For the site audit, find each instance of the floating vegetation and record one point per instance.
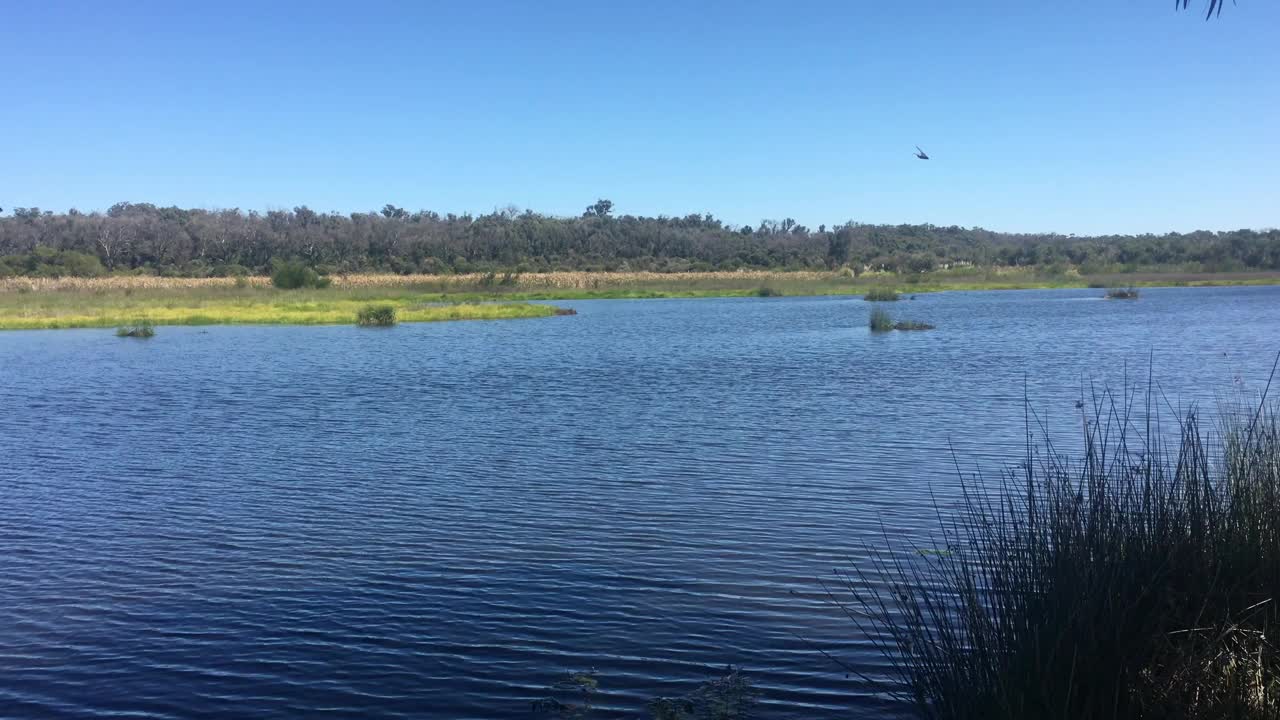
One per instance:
(912, 325)
(728, 697)
(140, 329)
(571, 696)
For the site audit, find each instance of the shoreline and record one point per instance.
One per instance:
(113, 301)
(579, 284)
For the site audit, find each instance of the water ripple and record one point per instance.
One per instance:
(436, 522)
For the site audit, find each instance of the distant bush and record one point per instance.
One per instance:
(47, 262)
(768, 292)
(376, 316)
(881, 294)
(140, 329)
(1129, 293)
(880, 321)
(293, 275)
(242, 281)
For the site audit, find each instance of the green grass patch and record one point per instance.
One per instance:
(228, 306)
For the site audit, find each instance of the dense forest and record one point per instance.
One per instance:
(139, 237)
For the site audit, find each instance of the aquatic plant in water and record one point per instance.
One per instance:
(1128, 293)
(1140, 579)
(140, 329)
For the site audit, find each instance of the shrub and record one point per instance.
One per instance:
(1137, 581)
(768, 292)
(880, 321)
(140, 329)
(242, 282)
(376, 316)
(293, 275)
(881, 294)
(47, 262)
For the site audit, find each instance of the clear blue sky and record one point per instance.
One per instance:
(1064, 116)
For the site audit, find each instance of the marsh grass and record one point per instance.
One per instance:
(1140, 579)
(376, 316)
(880, 320)
(140, 329)
(258, 305)
(881, 294)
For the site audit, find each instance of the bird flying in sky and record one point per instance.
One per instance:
(921, 154)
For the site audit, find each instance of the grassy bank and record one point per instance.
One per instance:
(121, 299)
(233, 306)
(623, 285)
(1139, 579)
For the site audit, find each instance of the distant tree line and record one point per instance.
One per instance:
(140, 237)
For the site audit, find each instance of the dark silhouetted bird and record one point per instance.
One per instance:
(921, 154)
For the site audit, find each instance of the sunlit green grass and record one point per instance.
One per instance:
(236, 306)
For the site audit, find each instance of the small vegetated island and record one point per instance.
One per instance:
(882, 321)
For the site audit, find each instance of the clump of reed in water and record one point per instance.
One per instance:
(1125, 293)
(140, 329)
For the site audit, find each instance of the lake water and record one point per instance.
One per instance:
(437, 521)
